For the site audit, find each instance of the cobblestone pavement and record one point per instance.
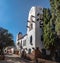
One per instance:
(13, 59)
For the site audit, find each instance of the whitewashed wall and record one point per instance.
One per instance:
(36, 32)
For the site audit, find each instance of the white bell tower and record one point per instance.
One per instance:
(34, 28)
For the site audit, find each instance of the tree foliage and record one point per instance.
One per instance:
(48, 33)
(6, 38)
(55, 9)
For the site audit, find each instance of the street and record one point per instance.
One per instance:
(13, 59)
(16, 59)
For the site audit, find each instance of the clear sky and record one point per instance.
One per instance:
(14, 14)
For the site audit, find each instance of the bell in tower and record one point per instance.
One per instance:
(19, 35)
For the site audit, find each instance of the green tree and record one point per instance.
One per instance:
(48, 34)
(6, 38)
(55, 9)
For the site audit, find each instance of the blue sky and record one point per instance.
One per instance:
(14, 14)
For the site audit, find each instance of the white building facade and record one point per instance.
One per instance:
(33, 37)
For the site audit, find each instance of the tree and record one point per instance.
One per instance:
(48, 34)
(6, 38)
(55, 9)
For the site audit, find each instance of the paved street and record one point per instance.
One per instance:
(13, 59)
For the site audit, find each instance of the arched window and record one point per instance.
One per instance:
(31, 40)
(41, 37)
